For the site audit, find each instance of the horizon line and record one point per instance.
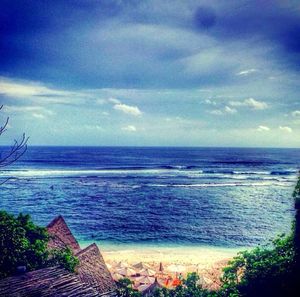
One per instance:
(158, 146)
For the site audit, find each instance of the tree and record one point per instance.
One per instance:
(16, 151)
(22, 243)
(296, 196)
(124, 288)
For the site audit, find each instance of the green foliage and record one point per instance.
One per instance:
(297, 188)
(262, 272)
(64, 258)
(190, 288)
(124, 288)
(22, 243)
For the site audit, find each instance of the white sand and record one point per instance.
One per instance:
(189, 256)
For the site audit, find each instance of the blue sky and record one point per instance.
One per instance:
(184, 73)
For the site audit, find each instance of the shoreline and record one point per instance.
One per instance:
(193, 258)
(177, 261)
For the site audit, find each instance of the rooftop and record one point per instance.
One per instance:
(92, 277)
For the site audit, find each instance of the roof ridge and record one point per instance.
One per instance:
(59, 230)
(88, 248)
(55, 220)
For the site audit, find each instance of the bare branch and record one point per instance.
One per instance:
(15, 152)
(5, 180)
(3, 128)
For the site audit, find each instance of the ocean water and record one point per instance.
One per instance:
(218, 197)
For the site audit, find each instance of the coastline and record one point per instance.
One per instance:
(193, 258)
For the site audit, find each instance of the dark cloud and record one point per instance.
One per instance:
(268, 20)
(115, 43)
(205, 17)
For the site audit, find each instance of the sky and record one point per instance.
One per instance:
(151, 73)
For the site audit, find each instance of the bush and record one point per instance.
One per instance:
(190, 287)
(22, 243)
(124, 289)
(262, 272)
(64, 258)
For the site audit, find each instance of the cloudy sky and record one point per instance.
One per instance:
(152, 72)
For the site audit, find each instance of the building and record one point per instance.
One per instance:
(92, 277)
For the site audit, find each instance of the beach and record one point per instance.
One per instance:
(190, 257)
(207, 262)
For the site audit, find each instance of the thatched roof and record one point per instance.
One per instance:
(92, 277)
(152, 288)
(61, 236)
(93, 271)
(47, 282)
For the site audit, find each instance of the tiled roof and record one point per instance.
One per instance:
(47, 282)
(61, 236)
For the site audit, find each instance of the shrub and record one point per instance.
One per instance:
(64, 258)
(262, 271)
(22, 243)
(124, 288)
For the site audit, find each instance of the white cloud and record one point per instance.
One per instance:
(247, 72)
(132, 110)
(38, 115)
(251, 103)
(285, 129)
(208, 101)
(263, 128)
(216, 112)
(38, 112)
(129, 128)
(230, 110)
(33, 90)
(114, 100)
(226, 110)
(296, 113)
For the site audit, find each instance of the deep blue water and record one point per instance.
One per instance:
(187, 196)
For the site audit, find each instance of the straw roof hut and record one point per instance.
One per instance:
(147, 272)
(122, 265)
(141, 266)
(145, 280)
(148, 291)
(127, 271)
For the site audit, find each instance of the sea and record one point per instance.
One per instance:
(171, 196)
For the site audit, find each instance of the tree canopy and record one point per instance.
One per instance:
(22, 243)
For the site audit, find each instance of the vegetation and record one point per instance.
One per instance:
(64, 258)
(22, 243)
(189, 287)
(297, 189)
(124, 289)
(262, 272)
